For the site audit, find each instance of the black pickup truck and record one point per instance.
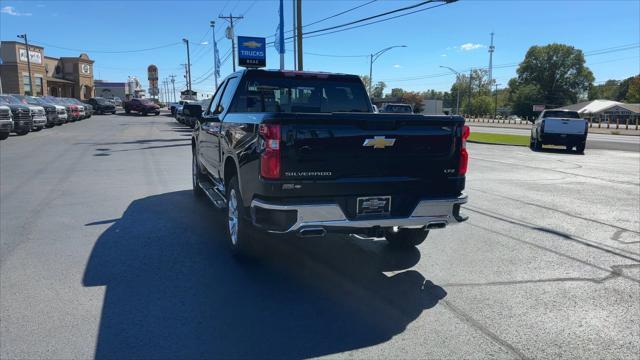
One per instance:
(302, 153)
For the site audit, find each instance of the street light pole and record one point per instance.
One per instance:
(26, 45)
(495, 109)
(188, 66)
(457, 86)
(373, 57)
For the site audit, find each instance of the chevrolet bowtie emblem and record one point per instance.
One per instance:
(379, 142)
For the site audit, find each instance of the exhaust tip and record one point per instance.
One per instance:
(437, 225)
(312, 232)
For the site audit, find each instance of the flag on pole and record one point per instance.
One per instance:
(216, 55)
(279, 41)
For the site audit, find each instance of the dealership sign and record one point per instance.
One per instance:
(34, 56)
(252, 52)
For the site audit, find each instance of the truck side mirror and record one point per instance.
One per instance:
(194, 110)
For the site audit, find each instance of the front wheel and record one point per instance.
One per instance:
(4, 135)
(238, 227)
(406, 237)
(195, 177)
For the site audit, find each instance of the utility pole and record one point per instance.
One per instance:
(299, 32)
(188, 66)
(469, 97)
(173, 85)
(491, 50)
(231, 35)
(293, 23)
(280, 38)
(495, 108)
(31, 84)
(215, 54)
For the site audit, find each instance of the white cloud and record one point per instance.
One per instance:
(470, 46)
(397, 66)
(10, 10)
(41, 5)
(443, 55)
(204, 43)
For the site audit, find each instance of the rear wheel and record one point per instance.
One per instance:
(580, 148)
(406, 237)
(239, 229)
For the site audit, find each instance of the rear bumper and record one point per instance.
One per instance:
(563, 139)
(432, 213)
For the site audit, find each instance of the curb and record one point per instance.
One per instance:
(487, 143)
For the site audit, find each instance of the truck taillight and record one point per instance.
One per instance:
(270, 159)
(464, 155)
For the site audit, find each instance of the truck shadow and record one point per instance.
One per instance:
(173, 291)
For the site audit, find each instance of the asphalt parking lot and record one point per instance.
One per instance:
(105, 252)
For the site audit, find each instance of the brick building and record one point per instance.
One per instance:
(62, 77)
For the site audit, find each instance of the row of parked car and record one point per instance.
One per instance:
(181, 117)
(22, 114)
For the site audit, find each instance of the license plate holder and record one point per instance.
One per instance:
(373, 205)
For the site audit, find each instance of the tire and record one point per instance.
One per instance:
(37, 129)
(144, 113)
(4, 135)
(405, 238)
(157, 113)
(239, 229)
(22, 132)
(569, 147)
(196, 176)
(537, 145)
(113, 113)
(580, 148)
(127, 111)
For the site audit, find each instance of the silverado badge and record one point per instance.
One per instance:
(379, 142)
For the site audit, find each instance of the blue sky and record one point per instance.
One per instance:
(455, 35)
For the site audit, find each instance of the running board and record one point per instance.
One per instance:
(216, 197)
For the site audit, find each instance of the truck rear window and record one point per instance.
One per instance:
(298, 94)
(561, 114)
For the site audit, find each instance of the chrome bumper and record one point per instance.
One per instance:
(432, 213)
(39, 120)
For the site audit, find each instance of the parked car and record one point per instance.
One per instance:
(61, 110)
(142, 106)
(559, 127)
(74, 113)
(38, 114)
(397, 109)
(6, 122)
(22, 120)
(51, 113)
(82, 107)
(303, 153)
(173, 107)
(101, 105)
(117, 101)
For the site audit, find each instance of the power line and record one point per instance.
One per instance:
(110, 51)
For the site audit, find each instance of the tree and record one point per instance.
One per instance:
(365, 80)
(558, 71)
(397, 92)
(378, 89)
(633, 93)
(523, 97)
(609, 90)
(415, 99)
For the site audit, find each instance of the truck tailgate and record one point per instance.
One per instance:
(564, 126)
(332, 146)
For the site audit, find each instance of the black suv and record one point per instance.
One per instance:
(101, 105)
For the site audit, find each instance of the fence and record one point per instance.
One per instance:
(609, 122)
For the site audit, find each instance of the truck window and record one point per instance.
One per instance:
(229, 91)
(216, 98)
(561, 114)
(298, 94)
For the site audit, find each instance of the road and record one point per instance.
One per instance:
(594, 141)
(104, 252)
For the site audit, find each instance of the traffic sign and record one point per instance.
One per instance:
(252, 51)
